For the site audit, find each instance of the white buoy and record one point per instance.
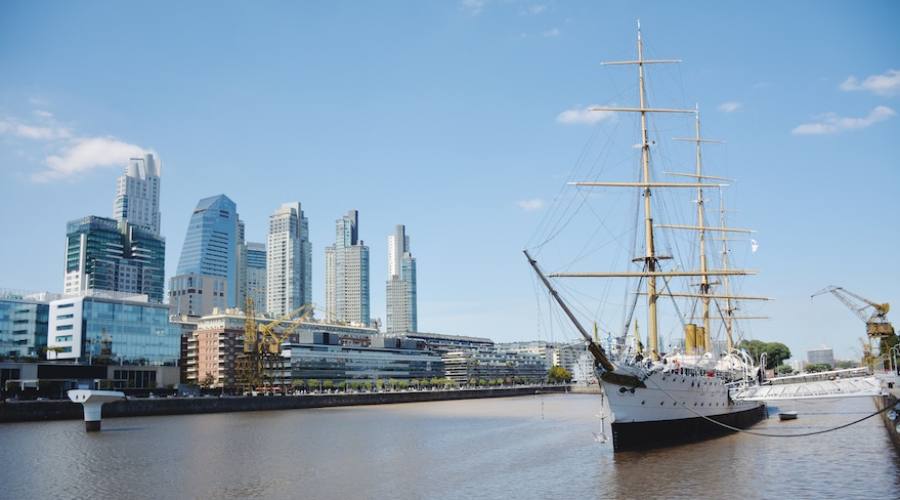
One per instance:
(92, 401)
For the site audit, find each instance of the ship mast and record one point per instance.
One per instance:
(729, 309)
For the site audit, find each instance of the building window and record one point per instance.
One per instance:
(65, 316)
(64, 327)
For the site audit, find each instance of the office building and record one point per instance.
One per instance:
(111, 328)
(24, 320)
(255, 274)
(137, 194)
(210, 249)
(288, 260)
(106, 254)
(402, 315)
(197, 294)
(822, 356)
(347, 274)
(480, 366)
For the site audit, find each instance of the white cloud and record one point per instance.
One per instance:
(730, 106)
(531, 205)
(886, 84)
(86, 154)
(473, 7)
(583, 116)
(831, 123)
(535, 9)
(17, 129)
(43, 114)
(551, 33)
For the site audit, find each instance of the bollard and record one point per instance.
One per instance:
(92, 402)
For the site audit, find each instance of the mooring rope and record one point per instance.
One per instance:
(767, 434)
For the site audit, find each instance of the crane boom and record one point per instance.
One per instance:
(877, 324)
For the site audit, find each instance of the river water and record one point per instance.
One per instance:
(519, 448)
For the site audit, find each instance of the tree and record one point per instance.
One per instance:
(208, 381)
(776, 352)
(783, 370)
(558, 374)
(818, 367)
(845, 364)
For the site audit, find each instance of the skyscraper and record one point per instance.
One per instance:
(210, 249)
(256, 273)
(137, 194)
(347, 274)
(288, 260)
(402, 315)
(106, 254)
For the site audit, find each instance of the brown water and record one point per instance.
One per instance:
(521, 448)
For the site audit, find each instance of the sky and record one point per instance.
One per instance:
(463, 120)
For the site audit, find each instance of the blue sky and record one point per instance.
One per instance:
(449, 117)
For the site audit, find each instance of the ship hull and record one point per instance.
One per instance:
(631, 436)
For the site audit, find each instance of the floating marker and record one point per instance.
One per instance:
(92, 401)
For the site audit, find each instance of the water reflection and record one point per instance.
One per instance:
(528, 447)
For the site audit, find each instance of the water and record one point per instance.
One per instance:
(521, 448)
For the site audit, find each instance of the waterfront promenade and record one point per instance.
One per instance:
(25, 411)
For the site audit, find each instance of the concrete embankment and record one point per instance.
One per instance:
(26, 411)
(884, 401)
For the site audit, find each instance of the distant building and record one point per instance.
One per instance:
(321, 356)
(402, 314)
(255, 275)
(216, 342)
(211, 248)
(824, 355)
(583, 371)
(197, 294)
(137, 194)
(539, 348)
(24, 318)
(117, 256)
(112, 328)
(347, 274)
(288, 261)
(475, 365)
(442, 343)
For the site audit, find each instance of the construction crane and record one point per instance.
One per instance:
(877, 324)
(262, 346)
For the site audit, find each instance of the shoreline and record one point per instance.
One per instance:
(37, 411)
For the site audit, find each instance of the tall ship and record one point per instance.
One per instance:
(657, 398)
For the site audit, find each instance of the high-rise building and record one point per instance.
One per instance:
(137, 194)
(347, 274)
(402, 315)
(210, 249)
(256, 273)
(242, 264)
(288, 260)
(106, 254)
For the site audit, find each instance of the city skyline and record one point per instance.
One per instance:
(480, 121)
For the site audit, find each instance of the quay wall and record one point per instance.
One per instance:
(27, 411)
(881, 402)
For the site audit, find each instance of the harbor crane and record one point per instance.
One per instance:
(877, 324)
(262, 345)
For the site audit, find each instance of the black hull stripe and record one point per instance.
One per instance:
(629, 436)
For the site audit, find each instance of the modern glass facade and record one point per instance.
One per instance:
(402, 310)
(288, 260)
(105, 254)
(101, 329)
(23, 326)
(256, 273)
(211, 243)
(343, 363)
(347, 274)
(137, 194)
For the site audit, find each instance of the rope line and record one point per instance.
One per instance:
(768, 434)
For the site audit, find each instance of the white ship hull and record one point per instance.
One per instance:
(675, 408)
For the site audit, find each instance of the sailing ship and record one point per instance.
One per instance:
(660, 398)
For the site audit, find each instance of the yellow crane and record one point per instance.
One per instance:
(262, 345)
(877, 324)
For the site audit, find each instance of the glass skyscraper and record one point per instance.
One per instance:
(137, 194)
(347, 274)
(106, 254)
(402, 315)
(23, 323)
(288, 260)
(211, 244)
(256, 273)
